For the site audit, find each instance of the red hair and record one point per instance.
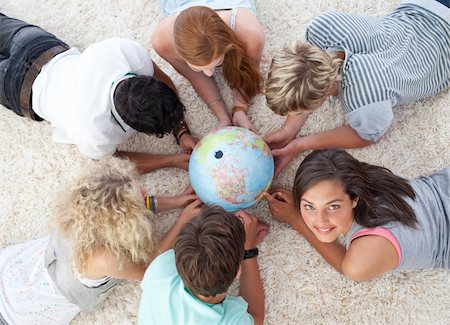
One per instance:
(202, 36)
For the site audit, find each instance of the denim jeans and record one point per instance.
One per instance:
(445, 2)
(20, 45)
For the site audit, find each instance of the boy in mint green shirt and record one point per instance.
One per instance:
(188, 284)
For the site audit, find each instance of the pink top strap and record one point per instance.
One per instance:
(383, 232)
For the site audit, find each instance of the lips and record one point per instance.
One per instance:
(324, 230)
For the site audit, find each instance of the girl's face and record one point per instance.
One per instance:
(207, 69)
(327, 210)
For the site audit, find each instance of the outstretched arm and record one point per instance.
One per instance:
(250, 280)
(342, 137)
(355, 263)
(281, 137)
(189, 212)
(146, 162)
(250, 33)
(281, 206)
(186, 140)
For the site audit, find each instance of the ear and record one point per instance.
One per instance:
(355, 202)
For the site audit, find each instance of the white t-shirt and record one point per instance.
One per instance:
(28, 294)
(74, 90)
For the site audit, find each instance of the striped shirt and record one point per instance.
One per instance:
(389, 61)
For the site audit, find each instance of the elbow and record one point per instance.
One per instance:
(356, 273)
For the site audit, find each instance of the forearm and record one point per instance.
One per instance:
(160, 75)
(148, 162)
(252, 289)
(342, 137)
(169, 239)
(294, 123)
(205, 87)
(333, 253)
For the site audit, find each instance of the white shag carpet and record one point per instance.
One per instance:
(300, 287)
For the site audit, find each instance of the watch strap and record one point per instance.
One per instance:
(249, 253)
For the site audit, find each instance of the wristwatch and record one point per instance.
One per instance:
(249, 253)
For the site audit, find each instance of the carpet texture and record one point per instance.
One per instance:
(300, 287)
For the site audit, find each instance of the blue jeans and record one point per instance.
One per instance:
(20, 45)
(445, 2)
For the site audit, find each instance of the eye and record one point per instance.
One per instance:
(308, 207)
(218, 154)
(334, 207)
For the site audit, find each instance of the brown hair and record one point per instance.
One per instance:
(209, 250)
(202, 36)
(382, 195)
(300, 75)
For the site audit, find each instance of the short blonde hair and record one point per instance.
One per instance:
(299, 77)
(104, 210)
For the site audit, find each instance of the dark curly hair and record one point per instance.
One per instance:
(209, 250)
(148, 105)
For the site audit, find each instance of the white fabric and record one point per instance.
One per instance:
(79, 106)
(90, 283)
(28, 295)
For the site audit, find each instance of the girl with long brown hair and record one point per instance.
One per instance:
(363, 219)
(196, 39)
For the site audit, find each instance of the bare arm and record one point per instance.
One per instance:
(188, 213)
(250, 33)
(281, 205)
(342, 137)
(281, 137)
(355, 262)
(160, 75)
(146, 162)
(251, 288)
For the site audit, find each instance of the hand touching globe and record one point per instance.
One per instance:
(231, 168)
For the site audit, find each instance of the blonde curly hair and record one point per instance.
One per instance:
(299, 77)
(104, 210)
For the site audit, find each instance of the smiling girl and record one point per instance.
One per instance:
(199, 36)
(385, 223)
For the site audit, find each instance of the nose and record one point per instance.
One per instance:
(209, 72)
(322, 217)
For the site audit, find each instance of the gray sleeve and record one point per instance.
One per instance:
(371, 121)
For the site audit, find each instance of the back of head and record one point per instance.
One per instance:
(201, 36)
(381, 193)
(209, 251)
(148, 105)
(104, 210)
(299, 77)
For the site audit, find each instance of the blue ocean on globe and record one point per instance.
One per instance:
(231, 168)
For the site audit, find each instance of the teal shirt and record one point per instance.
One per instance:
(165, 300)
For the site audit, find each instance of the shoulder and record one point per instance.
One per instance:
(162, 37)
(250, 33)
(236, 311)
(162, 266)
(116, 43)
(359, 265)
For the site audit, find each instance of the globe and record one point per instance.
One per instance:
(231, 168)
